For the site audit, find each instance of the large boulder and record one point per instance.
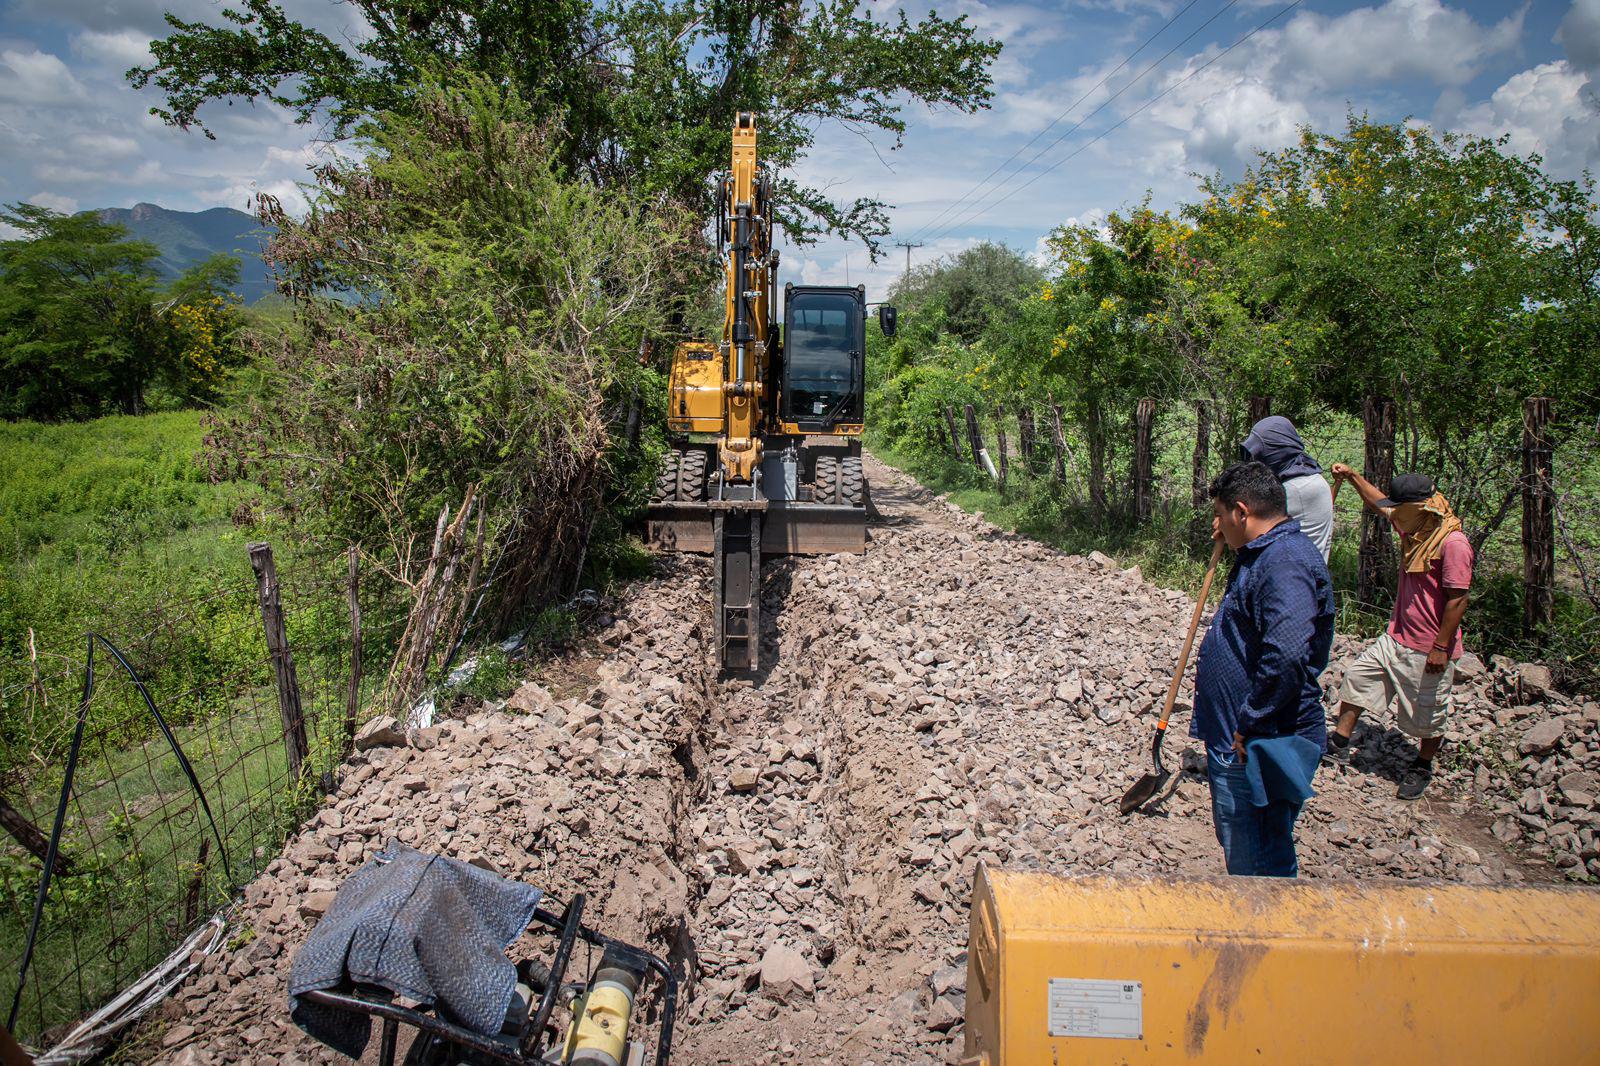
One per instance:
(1542, 737)
(786, 975)
(382, 732)
(1534, 679)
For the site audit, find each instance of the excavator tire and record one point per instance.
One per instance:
(827, 484)
(852, 481)
(666, 487)
(692, 476)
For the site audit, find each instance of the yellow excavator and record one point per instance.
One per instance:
(765, 426)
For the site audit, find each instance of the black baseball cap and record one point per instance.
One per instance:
(1408, 488)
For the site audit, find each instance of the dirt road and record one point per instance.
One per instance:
(802, 843)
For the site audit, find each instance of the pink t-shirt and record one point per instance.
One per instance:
(1419, 603)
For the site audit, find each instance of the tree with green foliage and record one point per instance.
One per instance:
(644, 93)
(470, 319)
(973, 290)
(78, 333)
(1435, 269)
(86, 327)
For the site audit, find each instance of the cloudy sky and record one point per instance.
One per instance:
(1096, 102)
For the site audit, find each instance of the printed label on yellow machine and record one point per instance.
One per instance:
(1112, 1009)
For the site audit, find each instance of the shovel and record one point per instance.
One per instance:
(1148, 785)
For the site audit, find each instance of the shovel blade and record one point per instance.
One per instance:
(1142, 791)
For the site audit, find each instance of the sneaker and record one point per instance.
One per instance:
(1337, 755)
(1415, 780)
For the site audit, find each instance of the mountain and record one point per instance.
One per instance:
(189, 237)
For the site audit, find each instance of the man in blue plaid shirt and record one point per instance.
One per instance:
(1258, 705)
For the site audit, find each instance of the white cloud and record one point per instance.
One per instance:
(242, 194)
(147, 15)
(1549, 110)
(116, 51)
(1222, 118)
(37, 79)
(1393, 41)
(100, 145)
(65, 205)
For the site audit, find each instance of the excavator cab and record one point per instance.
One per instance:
(824, 358)
(823, 378)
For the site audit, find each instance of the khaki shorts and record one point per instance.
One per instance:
(1388, 670)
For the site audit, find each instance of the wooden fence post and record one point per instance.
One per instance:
(1000, 439)
(31, 837)
(1199, 475)
(950, 424)
(1200, 483)
(272, 623)
(980, 454)
(1259, 407)
(1060, 439)
(197, 884)
(1025, 435)
(352, 697)
(1377, 550)
(1538, 516)
(1144, 422)
(1095, 427)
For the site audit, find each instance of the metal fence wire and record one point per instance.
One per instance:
(139, 864)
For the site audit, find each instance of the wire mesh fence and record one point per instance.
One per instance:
(153, 842)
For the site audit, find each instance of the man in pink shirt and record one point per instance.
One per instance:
(1413, 663)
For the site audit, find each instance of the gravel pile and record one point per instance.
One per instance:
(803, 843)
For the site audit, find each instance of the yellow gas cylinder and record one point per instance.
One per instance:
(1264, 970)
(599, 1035)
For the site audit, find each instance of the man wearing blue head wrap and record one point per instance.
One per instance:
(1275, 442)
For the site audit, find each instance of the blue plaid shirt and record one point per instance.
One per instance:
(1258, 667)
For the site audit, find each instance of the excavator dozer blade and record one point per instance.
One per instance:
(788, 527)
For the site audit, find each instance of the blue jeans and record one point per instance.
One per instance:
(1256, 841)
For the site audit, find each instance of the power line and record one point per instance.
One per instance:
(1134, 113)
(1107, 102)
(1071, 108)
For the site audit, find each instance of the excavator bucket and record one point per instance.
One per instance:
(1255, 969)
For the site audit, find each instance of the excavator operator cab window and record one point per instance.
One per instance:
(824, 339)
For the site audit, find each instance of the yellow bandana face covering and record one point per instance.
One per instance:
(1426, 525)
(1408, 517)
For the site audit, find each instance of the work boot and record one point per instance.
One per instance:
(1415, 780)
(1337, 755)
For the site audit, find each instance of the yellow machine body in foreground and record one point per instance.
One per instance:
(1266, 970)
(765, 425)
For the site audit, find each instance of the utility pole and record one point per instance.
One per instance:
(907, 245)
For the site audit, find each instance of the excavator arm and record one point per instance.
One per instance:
(766, 448)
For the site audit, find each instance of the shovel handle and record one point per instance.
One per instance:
(1188, 640)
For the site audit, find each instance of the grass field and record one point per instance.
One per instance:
(111, 526)
(101, 521)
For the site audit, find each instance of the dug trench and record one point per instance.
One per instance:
(801, 843)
